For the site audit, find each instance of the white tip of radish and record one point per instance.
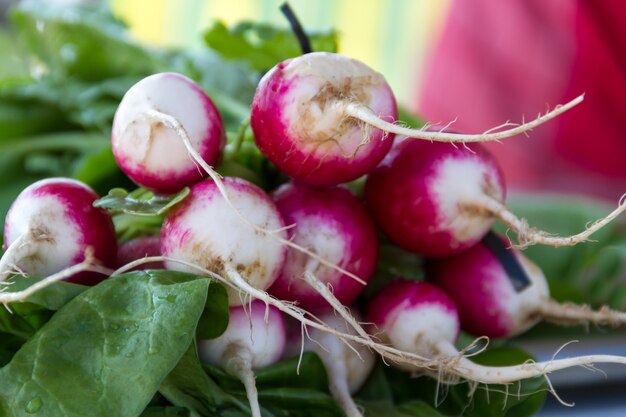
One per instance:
(247, 327)
(205, 230)
(152, 153)
(461, 179)
(357, 359)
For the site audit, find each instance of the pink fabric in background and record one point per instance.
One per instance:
(499, 61)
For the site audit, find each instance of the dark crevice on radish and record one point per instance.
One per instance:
(490, 305)
(514, 270)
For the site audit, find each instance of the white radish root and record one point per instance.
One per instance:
(87, 265)
(450, 362)
(238, 363)
(528, 236)
(571, 314)
(364, 114)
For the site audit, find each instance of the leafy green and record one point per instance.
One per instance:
(166, 412)
(140, 202)
(106, 351)
(189, 386)
(65, 39)
(52, 297)
(261, 45)
(23, 319)
(9, 344)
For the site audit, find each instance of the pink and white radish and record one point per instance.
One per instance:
(420, 317)
(332, 223)
(347, 364)
(254, 338)
(436, 199)
(138, 248)
(165, 130)
(204, 230)
(491, 304)
(51, 225)
(322, 118)
(163, 125)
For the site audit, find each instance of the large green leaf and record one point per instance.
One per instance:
(106, 351)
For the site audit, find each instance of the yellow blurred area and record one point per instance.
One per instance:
(392, 36)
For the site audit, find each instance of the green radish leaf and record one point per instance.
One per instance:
(306, 372)
(16, 325)
(188, 385)
(214, 319)
(140, 202)
(262, 45)
(315, 403)
(52, 297)
(417, 409)
(166, 412)
(9, 344)
(106, 351)
(84, 41)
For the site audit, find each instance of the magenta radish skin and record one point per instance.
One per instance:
(137, 248)
(484, 294)
(417, 195)
(247, 327)
(205, 230)
(335, 225)
(152, 154)
(298, 129)
(61, 209)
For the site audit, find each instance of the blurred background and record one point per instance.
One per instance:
(478, 62)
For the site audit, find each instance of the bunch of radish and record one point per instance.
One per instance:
(310, 247)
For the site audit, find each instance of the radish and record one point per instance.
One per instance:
(419, 317)
(347, 365)
(50, 226)
(137, 248)
(333, 224)
(165, 130)
(322, 118)
(163, 125)
(254, 338)
(205, 231)
(497, 301)
(436, 199)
